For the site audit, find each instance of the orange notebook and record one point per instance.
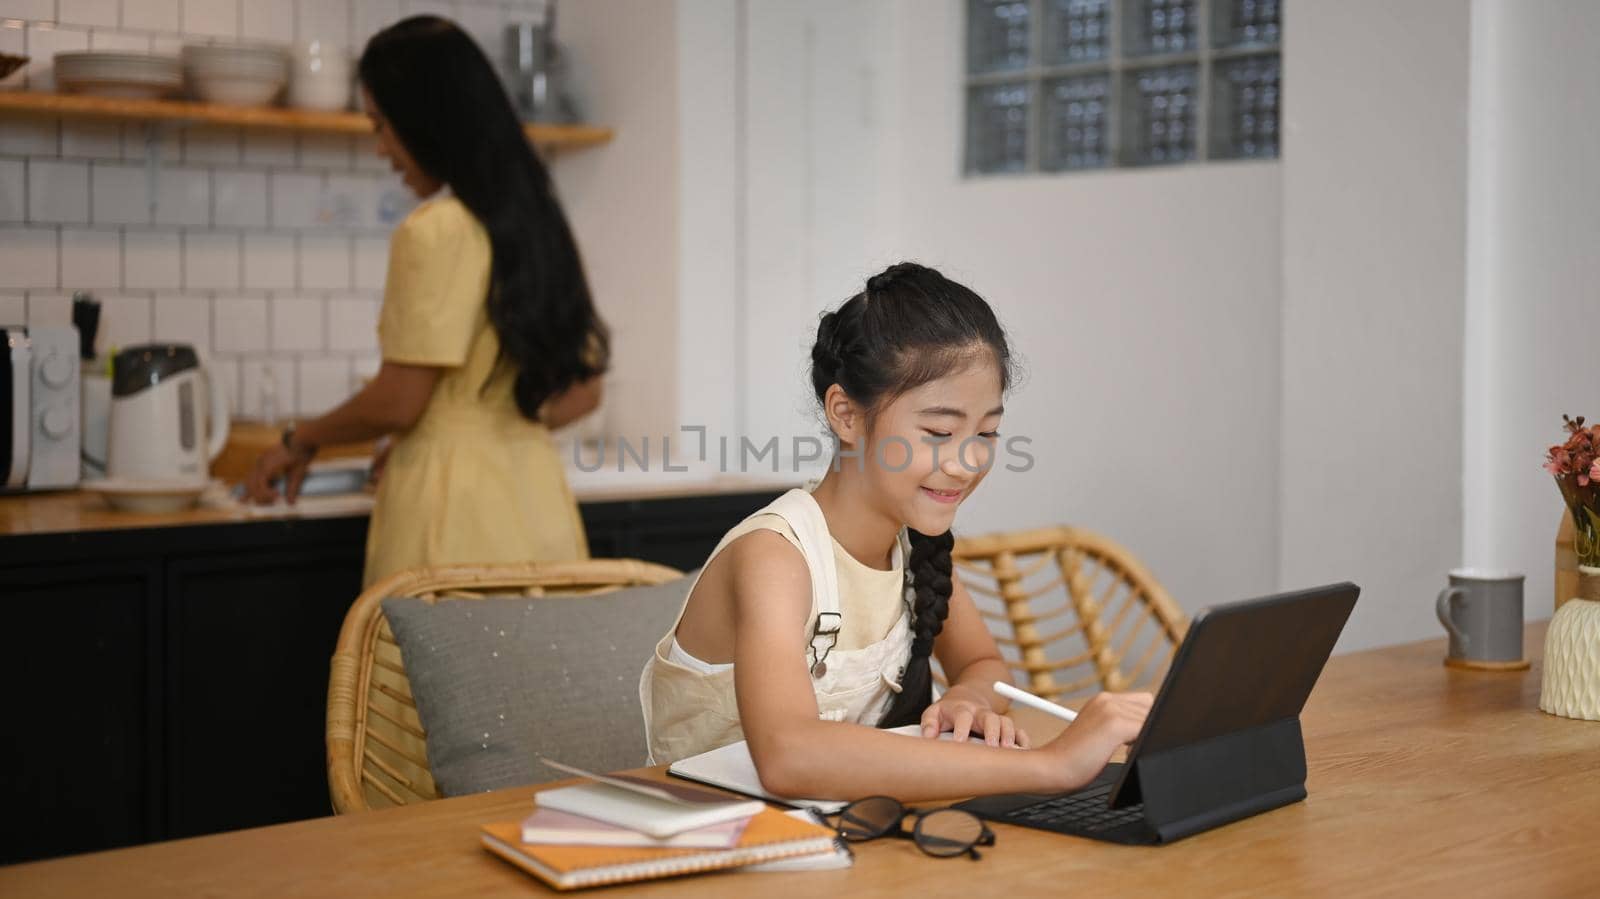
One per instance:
(770, 835)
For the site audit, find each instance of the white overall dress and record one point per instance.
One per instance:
(687, 712)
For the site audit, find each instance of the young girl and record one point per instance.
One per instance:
(812, 623)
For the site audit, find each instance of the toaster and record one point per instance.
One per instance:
(39, 420)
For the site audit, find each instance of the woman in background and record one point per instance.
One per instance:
(488, 332)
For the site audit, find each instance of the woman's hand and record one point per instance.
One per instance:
(963, 711)
(277, 461)
(1107, 722)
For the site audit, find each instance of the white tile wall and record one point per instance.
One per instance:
(13, 190)
(268, 250)
(353, 324)
(13, 309)
(325, 151)
(28, 257)
(259, 400)
(28, 9)
(296, 324)
(119, 195)
(218, 18)
(91, 140)
(152, 259)
(91, 259)
(239, 199)
(241, 324)
(295, 198)
(106, 39)
(125, 320)
(58, 191)
(183, 197)
(87, 12)
(211, 260)
(30, 137)
(324, 263)
(265, 22)
(46, 308)
(186, 319)
(269, 261)
(211, 145)
(324, 383)
(319, 20)
(154, 15)
(371, 262)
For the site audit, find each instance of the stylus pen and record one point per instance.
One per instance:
(1034, 702)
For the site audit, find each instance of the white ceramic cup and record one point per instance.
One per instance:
(320, 76)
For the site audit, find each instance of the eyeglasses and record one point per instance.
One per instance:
(944, 832)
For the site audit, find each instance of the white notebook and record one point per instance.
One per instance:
(731, 768)
(649, 807)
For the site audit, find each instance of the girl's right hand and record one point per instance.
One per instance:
(1107, 722)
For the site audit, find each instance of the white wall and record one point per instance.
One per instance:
(1374, 280)
(622, 198)
(1532, 307)
(1145, 307)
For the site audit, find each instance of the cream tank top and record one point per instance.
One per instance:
(689, 709)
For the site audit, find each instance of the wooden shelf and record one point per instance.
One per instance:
(276, 118)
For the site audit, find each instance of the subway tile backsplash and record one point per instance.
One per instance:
(266, 250)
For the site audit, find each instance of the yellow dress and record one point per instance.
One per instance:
(472, 481)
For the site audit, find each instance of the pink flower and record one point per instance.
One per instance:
(1554, 467)
(1594, 471)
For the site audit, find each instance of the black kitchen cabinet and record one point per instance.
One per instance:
(172, 682)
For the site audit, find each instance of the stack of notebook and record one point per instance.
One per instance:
(620, 828)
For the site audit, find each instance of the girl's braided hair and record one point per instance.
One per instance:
(911, 325)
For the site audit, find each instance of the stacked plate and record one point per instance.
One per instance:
(117, 74)
(236, 74)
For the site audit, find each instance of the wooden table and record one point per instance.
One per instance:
(1423, 781)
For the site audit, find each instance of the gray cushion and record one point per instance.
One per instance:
(499, 682)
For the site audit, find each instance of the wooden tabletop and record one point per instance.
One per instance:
(1423, 781)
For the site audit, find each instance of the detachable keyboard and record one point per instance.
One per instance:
(1085, 811)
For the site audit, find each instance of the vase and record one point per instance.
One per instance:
(1582, 501)
(1571, 684)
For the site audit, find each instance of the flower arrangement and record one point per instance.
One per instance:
(1576, 467)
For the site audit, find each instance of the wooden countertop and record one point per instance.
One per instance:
(76, 510)
(1423, 780)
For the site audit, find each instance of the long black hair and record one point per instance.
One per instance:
(442, 99)
(911, 325)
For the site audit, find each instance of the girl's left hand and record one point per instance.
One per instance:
(964, 711)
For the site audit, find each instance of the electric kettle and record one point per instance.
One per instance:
(169, 416)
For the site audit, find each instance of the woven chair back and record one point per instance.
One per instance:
(1073, 611)
(377, 749)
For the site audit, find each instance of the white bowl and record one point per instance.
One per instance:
(236, 91)
(148, 495)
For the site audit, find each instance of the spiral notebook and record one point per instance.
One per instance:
(769, 836)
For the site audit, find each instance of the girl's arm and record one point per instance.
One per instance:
(392, 402)
(798, 755)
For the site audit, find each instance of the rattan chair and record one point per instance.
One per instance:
(1073, 611)
(377, 750)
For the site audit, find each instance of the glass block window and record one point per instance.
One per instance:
(1077, 117)
(1075, 85)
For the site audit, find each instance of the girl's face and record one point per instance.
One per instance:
(389, 147)
(931, 446)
